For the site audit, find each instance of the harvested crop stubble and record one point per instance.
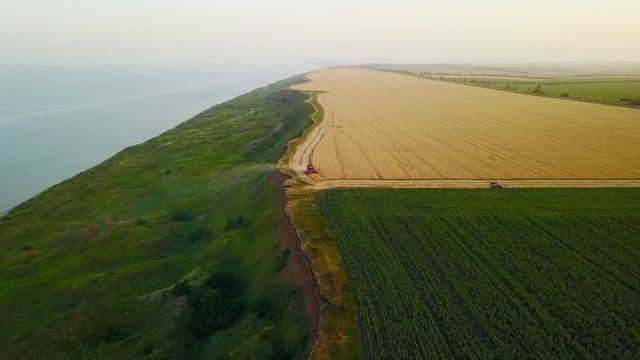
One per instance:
(380, 125)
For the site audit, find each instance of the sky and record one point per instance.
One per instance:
(321, 33)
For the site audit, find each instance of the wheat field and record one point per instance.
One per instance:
(387, 126)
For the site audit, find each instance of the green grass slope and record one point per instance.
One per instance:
(87, 267)
(473, 273)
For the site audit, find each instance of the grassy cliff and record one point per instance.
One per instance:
(168, 249)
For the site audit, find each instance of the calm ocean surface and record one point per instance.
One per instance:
(57, 122)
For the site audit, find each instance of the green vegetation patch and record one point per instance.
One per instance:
(485, 273)
(613, 90)
(88, 269)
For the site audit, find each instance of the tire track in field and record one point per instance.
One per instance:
(400, 165)
(308, 151)
(391, 154)
(310, 161)
(441, 124)
(550, 144)
(417, 156)
(326, 105)
(410, 150)
(437, 121)
(384, 148)
(442, 143)
(517, 165)
(340, 164)
(366, 157)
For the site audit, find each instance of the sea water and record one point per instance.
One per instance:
(57, 122)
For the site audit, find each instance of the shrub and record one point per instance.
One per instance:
(222, 280)
(238, 222)
(281, 260)
(215, 311)
(564, 94)
(217, 304)
(262, 307)
(181, 215)
(141, 221)
(181, 288)
(198, 234)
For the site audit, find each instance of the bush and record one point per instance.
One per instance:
(181, 215)
(217, 304)
(631, 101)
(180, 289)
(198, 234)
(215, 311)
(141, 221)
(564, 94)
(222, 280)
(262, 307)
(91, 331)
(238, 222)
(281, 260)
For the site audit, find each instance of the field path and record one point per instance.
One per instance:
(389, 130)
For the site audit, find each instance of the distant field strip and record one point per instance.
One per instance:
(386, 126)
(486, 274)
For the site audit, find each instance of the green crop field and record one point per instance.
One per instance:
(167, 250)
(475, 273)
(611, 90)
(621, 90)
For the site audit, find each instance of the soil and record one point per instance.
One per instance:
(298, 263)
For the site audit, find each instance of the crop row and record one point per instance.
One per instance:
(515, 282)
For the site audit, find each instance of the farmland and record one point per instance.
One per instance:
(467, 273)
(609, 90)
(386, 126)
(532, 70)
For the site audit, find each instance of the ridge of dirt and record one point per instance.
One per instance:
(300, 265)
(337, 331)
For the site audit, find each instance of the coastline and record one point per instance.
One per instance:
(192, 200)
(50, 142)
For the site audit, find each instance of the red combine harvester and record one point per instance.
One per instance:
(311, 169)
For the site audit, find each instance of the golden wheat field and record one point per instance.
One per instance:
(380, 125)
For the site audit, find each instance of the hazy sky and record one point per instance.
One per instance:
(321, 32)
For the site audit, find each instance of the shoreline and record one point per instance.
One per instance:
(51, 146)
